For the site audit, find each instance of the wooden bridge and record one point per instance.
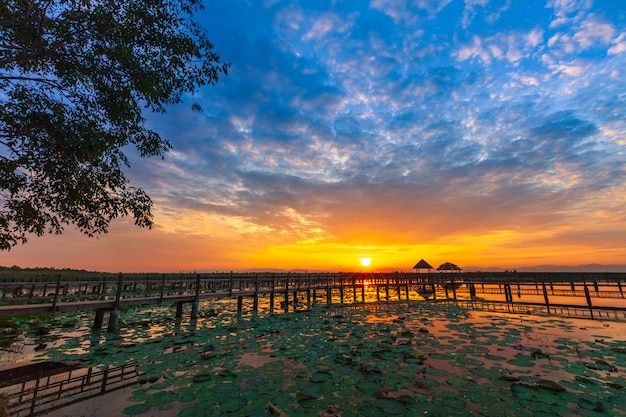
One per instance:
(104, 293)
(38, 389)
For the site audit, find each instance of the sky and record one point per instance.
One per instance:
(487, 133)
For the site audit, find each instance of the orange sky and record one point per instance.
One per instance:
(204, 246)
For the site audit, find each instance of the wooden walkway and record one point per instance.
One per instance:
(43, 391)
(104, 293)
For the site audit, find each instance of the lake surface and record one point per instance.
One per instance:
(399, 358)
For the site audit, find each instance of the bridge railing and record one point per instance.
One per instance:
(60, 288)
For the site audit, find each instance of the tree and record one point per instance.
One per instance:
(75, 77)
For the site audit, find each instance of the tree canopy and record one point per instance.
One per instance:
(76, 77)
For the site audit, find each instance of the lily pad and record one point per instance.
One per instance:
(320, 376)
(136, 409)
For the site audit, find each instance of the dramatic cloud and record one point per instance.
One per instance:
(484, 132)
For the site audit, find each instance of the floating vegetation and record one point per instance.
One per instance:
(390, 359)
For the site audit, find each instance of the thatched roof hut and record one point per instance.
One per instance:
(422, 264)
(448, 267)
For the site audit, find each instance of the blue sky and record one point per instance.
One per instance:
(486, 133)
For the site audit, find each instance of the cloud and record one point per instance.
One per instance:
(593, 31)
(421, 124)
(619, 45)
(567, 11)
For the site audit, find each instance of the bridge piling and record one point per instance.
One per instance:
(472, 291)
(98, 319)
(545, 297)
(387, 290)
(56, 293)
(114, 315)
(588, 297)
(196, 301)
(273, 291)
(286, 307)
(255, 302)
(179, 309)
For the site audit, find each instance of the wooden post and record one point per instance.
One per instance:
(35, 396)
(56, 293)
(295, 300)
(255, 302)
(619, 286)
(114, 315)
(99, 319)
(105, 377)
(363, 293)
(328, 293)
(545, 296)
(31, 293)
(397, 279)
(287, 294)
(162, 287)
(179, 309)
(308, 293)
(118, 294)
(588, 297)
(103, 288)
(387, 289)
(272, 293)
(196, 301)
(239, 304)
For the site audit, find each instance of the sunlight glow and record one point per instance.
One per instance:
(366, 262)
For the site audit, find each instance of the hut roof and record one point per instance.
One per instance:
(448, 266)
(422, 264)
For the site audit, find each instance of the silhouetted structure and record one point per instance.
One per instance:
(448, 267)
(422, 264)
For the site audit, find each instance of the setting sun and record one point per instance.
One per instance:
(366, 261)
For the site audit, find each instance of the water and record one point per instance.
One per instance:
(376, 359)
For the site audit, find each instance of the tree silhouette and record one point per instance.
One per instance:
(75, 79)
